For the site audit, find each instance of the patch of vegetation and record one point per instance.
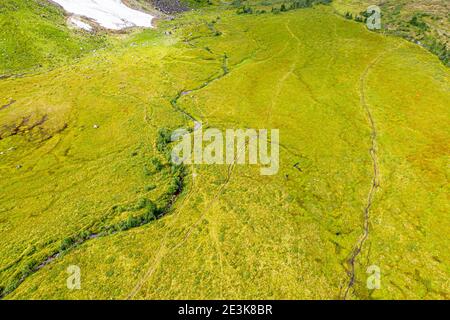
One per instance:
(156, 163)
(284, 7)
(163, 139)
(417, 21)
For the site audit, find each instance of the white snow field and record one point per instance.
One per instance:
(110, 14)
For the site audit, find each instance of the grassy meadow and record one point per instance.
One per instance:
(80, 160)
(425, 22)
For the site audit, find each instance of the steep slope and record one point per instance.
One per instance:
(34, 34)
(425, 22)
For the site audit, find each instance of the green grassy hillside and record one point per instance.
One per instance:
(426, 22)
(34, 35)
(363, 147)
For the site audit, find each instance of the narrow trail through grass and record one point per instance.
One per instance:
(286, 75)
(376, 172)
(163, 250)
(308, 232)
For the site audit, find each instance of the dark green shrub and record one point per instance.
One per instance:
(142, 203)
(416, 21)
(66, 244)
(132, 222)
(156, 163)
(163, 139)
(12, 286)
(28, 268)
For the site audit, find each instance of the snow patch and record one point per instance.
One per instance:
(80, 24)
(110, 14)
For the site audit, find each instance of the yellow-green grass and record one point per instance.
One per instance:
(424, 21)
(234, 233)
(399, 13)
(67, 175)
(34, 36)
